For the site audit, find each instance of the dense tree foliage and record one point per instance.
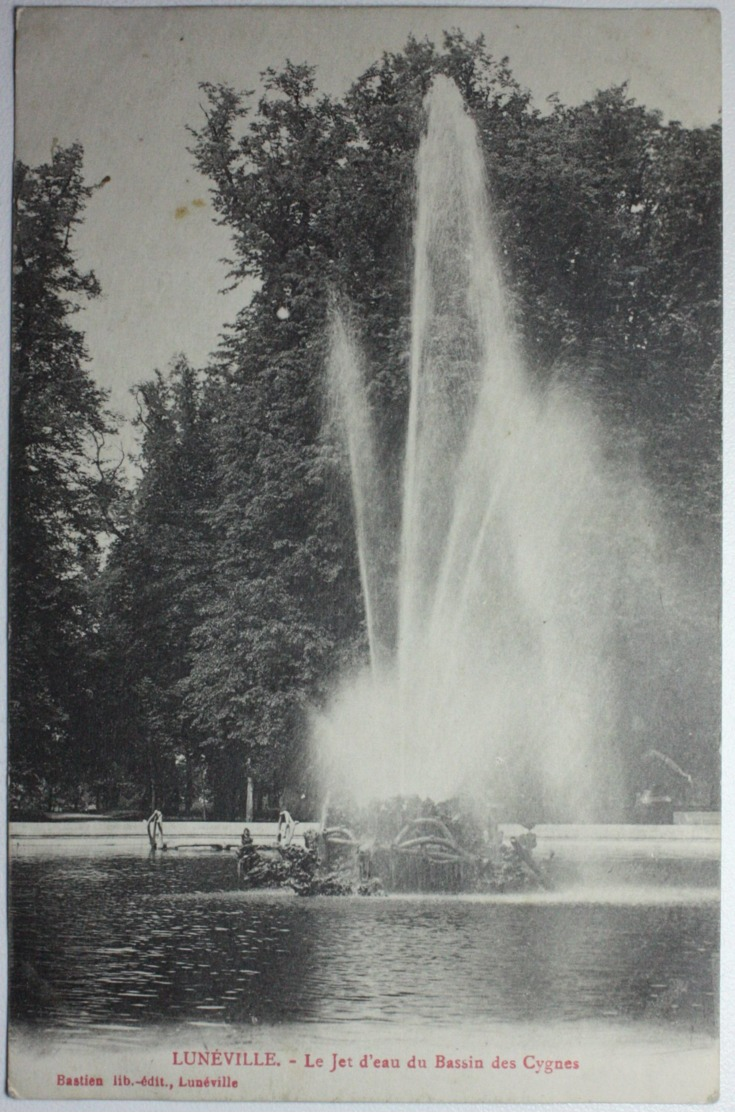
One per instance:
(150, 597)
(233, 598)
(609, 220)
(65, 494)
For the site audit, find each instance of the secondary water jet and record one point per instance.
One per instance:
(492, 667)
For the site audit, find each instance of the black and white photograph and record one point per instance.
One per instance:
(364, 554)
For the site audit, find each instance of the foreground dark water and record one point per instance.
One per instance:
(100, 942)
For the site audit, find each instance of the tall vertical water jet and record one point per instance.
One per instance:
(501, 679)
(348, 396)
(458, 330)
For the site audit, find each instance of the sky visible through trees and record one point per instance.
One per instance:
(125, 83)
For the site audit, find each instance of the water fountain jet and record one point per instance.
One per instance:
(500, 679)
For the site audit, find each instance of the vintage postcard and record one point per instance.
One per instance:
(365, 554)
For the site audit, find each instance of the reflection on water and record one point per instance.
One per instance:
(132, 941)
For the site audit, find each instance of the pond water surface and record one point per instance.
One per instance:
(127, 941)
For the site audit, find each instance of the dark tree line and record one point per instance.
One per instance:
(65, 493)
(169, 642)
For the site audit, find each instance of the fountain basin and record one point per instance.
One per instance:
(586, 855)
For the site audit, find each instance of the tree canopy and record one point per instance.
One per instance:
(231, 599)
(65, 494)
